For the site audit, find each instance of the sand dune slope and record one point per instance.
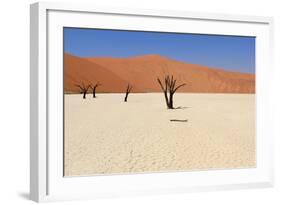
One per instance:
(142, 72)
(78, 71)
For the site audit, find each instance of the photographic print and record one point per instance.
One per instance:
(143, 101)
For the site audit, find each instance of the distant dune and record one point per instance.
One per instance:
(142, 72)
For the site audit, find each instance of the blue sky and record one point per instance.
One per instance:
(232, 53)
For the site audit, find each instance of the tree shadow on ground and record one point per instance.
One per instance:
(181, 108)
(178, 120)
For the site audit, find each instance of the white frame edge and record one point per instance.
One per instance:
(38, 102)
(38, 82)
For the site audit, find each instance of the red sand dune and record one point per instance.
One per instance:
(78, 71)
(142, 73)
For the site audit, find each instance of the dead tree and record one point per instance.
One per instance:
(169, 89)
(83, 89)
(94, 89)
(128, 90)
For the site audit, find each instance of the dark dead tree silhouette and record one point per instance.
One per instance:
(128, 90)
(94, 88)
(169, 88)
(83, 89)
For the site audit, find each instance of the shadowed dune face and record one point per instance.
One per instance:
(142, 72)
(78, 70)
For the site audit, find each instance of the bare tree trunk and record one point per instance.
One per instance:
(126, 97)
(165, 90)
(171, 103)
(167, 99)
(128, 90)
(94, 89)
(94, 92)
(169, 90)
(83, 89)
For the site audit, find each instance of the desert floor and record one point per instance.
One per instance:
(106, 135)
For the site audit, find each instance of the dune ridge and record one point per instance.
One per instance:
(142, 71)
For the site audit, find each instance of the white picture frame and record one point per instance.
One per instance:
(46, 179)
